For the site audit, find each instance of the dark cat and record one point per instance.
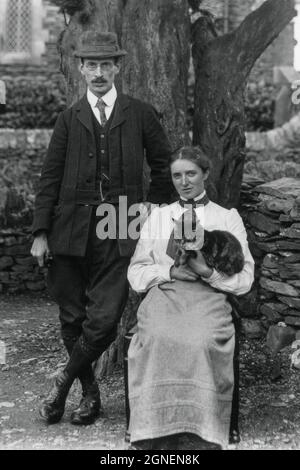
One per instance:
(220, 249)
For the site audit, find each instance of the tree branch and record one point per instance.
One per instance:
(85, 8)
(203, 32)
(258, 31)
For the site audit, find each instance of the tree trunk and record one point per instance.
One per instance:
(222, 65)
(157, 36)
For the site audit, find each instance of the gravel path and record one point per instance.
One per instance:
(269, 417)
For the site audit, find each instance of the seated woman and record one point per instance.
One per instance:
(180, 361)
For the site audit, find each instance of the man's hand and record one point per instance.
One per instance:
(183, 273)
(40, 248)
(199, 266)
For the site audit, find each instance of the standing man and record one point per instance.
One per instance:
(95, 155)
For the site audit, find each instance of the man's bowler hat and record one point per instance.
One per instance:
(96, 45)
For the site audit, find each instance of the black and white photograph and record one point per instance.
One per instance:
(149, 228)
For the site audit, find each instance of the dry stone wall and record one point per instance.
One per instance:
(18, 270)
(271, 212)
(21, 156)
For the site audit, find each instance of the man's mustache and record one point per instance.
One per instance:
(98, 80)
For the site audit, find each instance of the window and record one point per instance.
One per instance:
(18, 27)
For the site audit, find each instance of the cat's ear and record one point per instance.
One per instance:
(177, 229)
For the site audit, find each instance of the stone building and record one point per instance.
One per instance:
(28, 32)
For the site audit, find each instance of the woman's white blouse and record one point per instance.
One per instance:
(150, 264)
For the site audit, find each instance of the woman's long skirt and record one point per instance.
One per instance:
(180, 363)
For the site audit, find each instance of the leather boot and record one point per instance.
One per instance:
(86, 376)
(89, 408)
(53, 406)
(90, 405)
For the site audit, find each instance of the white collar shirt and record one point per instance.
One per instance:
(109, 99)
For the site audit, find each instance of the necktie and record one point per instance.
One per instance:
(101, 106)
(191, 202)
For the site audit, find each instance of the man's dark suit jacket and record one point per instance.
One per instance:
(69, 173)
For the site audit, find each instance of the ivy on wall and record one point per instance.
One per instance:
(33, 102)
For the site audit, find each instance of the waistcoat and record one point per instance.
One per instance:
(103, 163)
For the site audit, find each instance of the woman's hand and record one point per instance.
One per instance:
(183, 273)
(199, 266)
